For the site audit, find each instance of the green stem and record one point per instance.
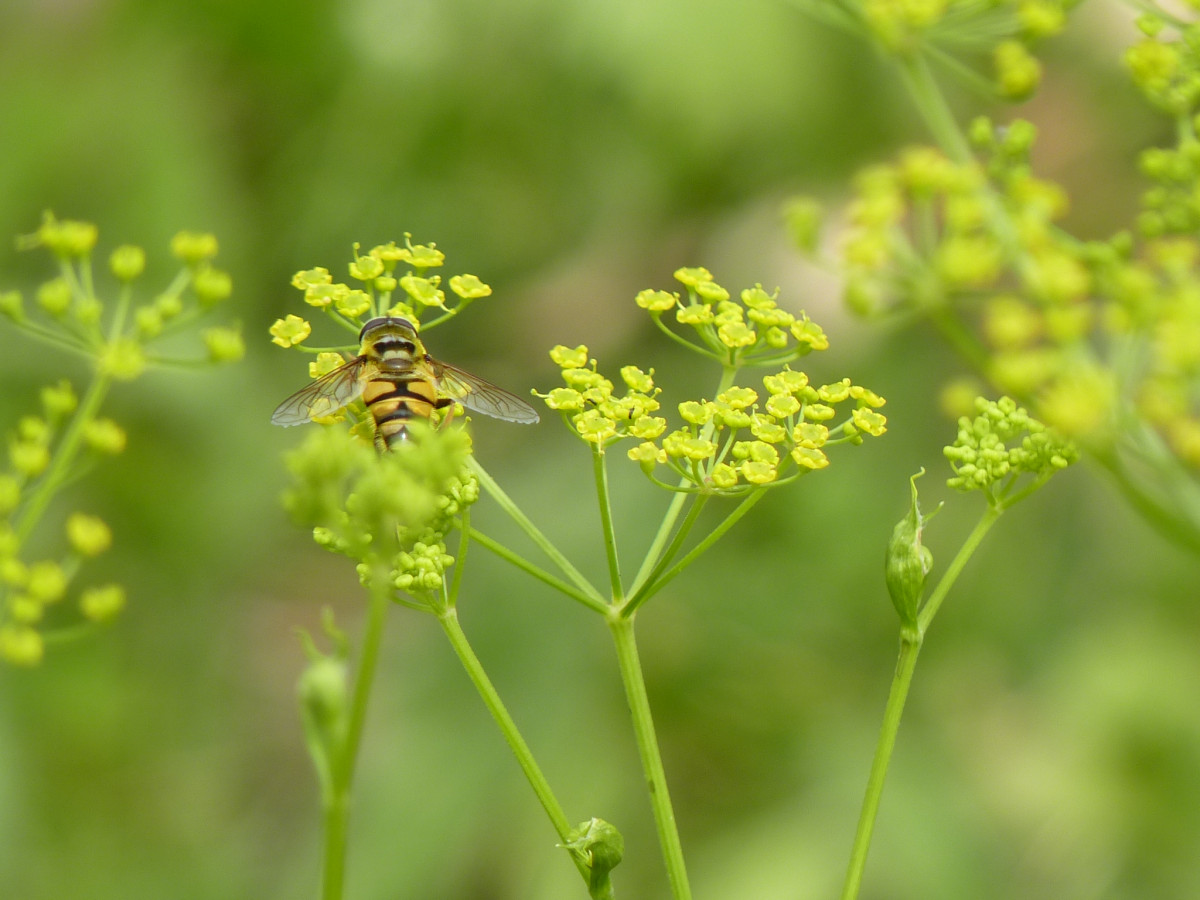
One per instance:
(911, 640)
(660, 540)
(556, 556)
(728, 374)
(64, 456)
(448, 617)
(652, 765)
(600, 472)
(933, 108)
(970, 545)
(337, 802)
(910, 647)
(540, 574)
(681, 534)
(653, 587)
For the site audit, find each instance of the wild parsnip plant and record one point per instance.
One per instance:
(1100, 338)
(1005, 455)
(393, 513)
(60, 442)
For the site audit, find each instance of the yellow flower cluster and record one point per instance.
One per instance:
(752, 330)
(744, 437)
(377, 272)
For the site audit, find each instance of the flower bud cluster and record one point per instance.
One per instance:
(1001, 444)
(744, 437)
(394, 508)
(69, 312)
(31, 592)
(374, 278)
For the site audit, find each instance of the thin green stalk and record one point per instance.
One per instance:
(911, 640)
(556, 556)
(448, 617)
(932, 106)
(27, 519)
(653, 587)
(653, 555)
(537, 572)
(681, 534)
(600, 472)
(660, 541)
(970, 545)
(337, 802)
(910, 647)
(652, 765)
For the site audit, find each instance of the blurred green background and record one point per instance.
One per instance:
(570, 154)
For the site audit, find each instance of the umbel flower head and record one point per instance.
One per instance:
(378, 286)
(390, 510)
(1005, 453)
(742, 438)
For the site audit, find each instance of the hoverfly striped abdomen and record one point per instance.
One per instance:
(393, 404)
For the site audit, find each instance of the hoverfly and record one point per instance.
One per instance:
(399, 382)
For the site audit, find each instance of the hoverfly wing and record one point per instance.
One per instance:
(323, 397)
(481, 396)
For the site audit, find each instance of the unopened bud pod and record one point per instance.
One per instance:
(908, 561)
(599, 847)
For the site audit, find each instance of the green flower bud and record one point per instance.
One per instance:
(168, 305)
(55, 297)
(224, 344)
(104, 436)
(1018, 73)
(211, 285)
(193, 247)
(599, 847)
(28, 458)
(88, 535)
(47, 582)
(127, 262)
(908, 562)
(101, 604)
(21, 645)
(324, 698)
